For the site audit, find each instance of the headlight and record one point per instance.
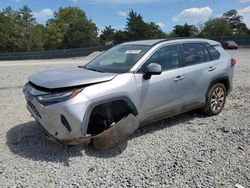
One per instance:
(54, 98)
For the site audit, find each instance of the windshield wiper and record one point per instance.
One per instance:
(93, 69)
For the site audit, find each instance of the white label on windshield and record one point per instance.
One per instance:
(133, 52)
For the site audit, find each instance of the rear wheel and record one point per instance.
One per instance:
(216, 99)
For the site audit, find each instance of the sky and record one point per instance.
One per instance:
(166, 13)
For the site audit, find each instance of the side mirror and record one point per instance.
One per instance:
(152, 69)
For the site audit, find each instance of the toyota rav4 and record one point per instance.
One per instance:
(134, 83)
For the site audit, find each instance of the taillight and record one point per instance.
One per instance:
(233, 62)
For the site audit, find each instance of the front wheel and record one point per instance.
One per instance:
(119, 132)
(216, 99)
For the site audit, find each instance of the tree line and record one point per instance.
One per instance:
(71, 28)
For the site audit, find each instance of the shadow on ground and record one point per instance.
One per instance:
(27, 140)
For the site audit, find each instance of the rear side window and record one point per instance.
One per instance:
(213, 52)
(195, 53)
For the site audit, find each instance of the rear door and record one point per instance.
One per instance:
(199, 69)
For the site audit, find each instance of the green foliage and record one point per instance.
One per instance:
(153, 31)
(37, 37)
(137, 29)
(71, 29)
(19, 31)
(121, 36)
(185, 31)
(216, 27)
(135, 26)
(7, 30)
(236, 22)
(108, 34)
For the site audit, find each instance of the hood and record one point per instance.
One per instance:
(69, 77)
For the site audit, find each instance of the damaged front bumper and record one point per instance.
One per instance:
(66, 122)
(50, 119)
(107, 139)
(63, 121)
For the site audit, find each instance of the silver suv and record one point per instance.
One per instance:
(129, 85)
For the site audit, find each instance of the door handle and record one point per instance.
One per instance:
(178, 78)
(210, 69)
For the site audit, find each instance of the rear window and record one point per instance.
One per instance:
(213, 52)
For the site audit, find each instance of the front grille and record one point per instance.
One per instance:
(33, 108)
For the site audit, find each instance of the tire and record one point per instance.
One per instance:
(116, 134)
(216, 99)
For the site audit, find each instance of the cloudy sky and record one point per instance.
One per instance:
(166, 13)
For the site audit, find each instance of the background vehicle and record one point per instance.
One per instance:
(132, 84)
(230, 45)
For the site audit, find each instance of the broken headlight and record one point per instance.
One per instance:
(54, 98)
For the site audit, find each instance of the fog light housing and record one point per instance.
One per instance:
(65, 123)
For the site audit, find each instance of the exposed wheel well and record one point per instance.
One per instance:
(103, 116)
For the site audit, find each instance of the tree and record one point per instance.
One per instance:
(153, 31)
(136, 27)
(19, 31)
(54, 36)
(120, 36)
(26, 21)
(236, 22)
(70, 29)
(10, 31)
(37, 37)
(216, 27)
(185, 31)
(108, 34)
(26, 17)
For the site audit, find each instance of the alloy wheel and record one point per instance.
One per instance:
(217, 99)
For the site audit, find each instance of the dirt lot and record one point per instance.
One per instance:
(190, 150)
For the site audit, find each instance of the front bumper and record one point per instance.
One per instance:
(74, 141)
(50, 117)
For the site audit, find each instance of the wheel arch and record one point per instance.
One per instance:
(224, 80)
(129, 104)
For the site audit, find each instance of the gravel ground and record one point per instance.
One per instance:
(189, 150)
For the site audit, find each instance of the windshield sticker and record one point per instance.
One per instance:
(133, 52)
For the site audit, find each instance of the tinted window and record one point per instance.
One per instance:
(166, 56)
(195, 53)
(213, 52)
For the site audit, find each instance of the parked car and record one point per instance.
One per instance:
(230, 45)
(130, 85)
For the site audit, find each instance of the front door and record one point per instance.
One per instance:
(163, 92)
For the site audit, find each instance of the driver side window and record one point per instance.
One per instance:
(167, 57)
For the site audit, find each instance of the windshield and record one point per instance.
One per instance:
(119, 59)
